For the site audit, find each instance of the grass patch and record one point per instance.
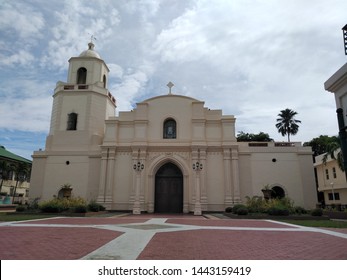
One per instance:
(318, 223)
(13, 217)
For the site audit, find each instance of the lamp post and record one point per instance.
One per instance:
(344, 31)
(197, 167)
(138, 167)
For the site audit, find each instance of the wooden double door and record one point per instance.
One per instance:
(168, 189)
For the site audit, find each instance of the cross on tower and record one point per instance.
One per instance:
(170, 85)
(92, 37)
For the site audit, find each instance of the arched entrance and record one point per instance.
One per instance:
(168, 189)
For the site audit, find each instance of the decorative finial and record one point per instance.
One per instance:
(92, 37)
(170, 85)
(91, 43)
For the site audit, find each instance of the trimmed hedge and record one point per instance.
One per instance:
(278, 211)
(57, 205)
(95, 207)
(236, 207)
(242, 211)
(317, 212)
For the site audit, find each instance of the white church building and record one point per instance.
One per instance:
(170, 154)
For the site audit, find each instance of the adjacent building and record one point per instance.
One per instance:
(331, 181)
(14, 177)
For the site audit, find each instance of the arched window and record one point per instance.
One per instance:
(104, 81)
(71, 121)
(81, 75)
(169, 129)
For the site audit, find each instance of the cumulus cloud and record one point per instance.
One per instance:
(26, 106)
(74, 24)
(21, 58)
(21, 18)
(248, 58)
(131, 87)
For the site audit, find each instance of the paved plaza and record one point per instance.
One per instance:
(166, 237)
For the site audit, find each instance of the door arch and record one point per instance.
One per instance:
(168, 196)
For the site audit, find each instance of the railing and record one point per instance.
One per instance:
(284, 144)
(83, 87)
(258, 144)
(273, 144)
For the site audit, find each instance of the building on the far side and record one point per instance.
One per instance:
(13, 187)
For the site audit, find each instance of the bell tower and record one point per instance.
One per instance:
(81, 105)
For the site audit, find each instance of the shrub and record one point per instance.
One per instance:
(20, 208)
(80, 209)
(95, 207)
(228, 209)
(256, 204)
(34, 204)
(51, 207)
(242, 211)
(236, 207)
(300, 210)
(317, 212)
(58, 205)
(278, 211)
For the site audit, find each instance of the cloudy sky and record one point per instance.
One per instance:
(250, 58)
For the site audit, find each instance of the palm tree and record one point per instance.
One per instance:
(287, 124)
(334, 151)
(22, 171)
(5, 169)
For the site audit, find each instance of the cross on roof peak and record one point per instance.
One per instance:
(170, 85)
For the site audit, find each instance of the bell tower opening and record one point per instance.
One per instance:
(81, 76)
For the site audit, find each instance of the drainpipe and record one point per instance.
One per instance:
(106, 169)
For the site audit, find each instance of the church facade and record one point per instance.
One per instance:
(170, 154)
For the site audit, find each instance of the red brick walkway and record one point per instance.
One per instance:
(35, 243)
(244, 245)
(185, 237)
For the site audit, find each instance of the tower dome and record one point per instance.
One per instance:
(90, 52)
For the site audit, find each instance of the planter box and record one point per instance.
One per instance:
(270, 217)
(7, 207)
(336, 214)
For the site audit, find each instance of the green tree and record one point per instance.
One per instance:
(249, 137)
(322, 144)
(287, 124)
(334, 151)
(5, 169)
(22, 172)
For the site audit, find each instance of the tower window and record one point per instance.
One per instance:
(71, 121)
(81, 75)
(104, 81)
(169, 130)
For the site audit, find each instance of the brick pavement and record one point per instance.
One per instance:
(167, 237)
(244, 245)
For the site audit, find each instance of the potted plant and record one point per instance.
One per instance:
(267, 192)
(67, 189)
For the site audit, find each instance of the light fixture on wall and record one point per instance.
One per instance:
(197, 166)
(138, 166)
(344, 30)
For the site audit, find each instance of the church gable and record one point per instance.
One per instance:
(171, 119)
